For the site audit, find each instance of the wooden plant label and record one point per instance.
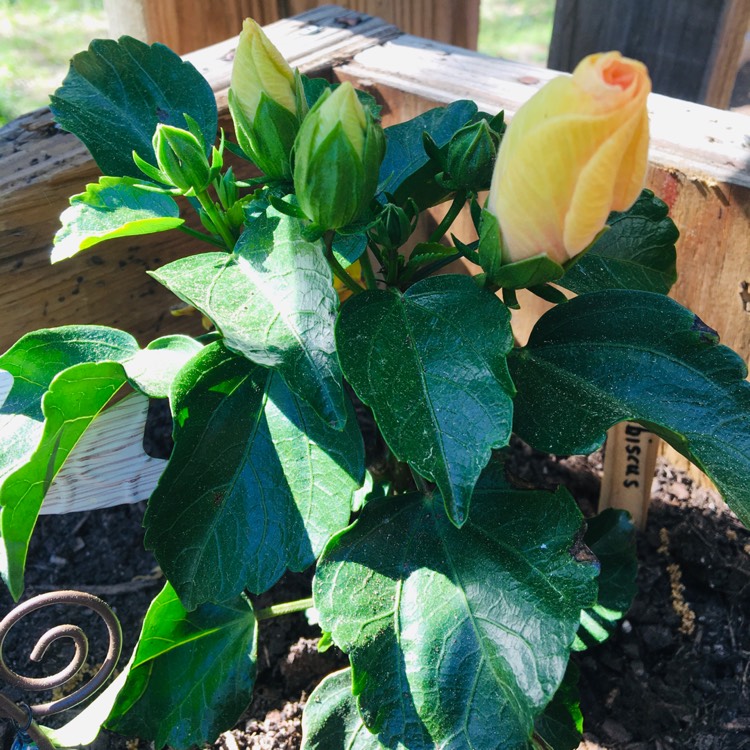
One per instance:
(629, 464)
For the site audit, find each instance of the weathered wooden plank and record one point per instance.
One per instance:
(187, 25)
(691, 47)
(41, 167)
(699, 164)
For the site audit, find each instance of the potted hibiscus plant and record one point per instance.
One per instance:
(457, 595)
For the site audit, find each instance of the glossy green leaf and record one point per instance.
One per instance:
(636, 252)
(115, 94)
(331, 720)
(192, 674)
(74, 398)
(152, 370)
(426, 252)
(113, 207)
(32, 363)
(457, 637)
(561, 724)
(273, 301)
(623, 355)
(431, 364)
(256, 484)
(611, 537)
(406, 169)
(348, 248)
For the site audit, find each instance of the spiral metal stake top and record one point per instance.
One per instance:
(20, 715)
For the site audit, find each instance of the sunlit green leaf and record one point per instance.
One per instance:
(431, 365)
(273, 301)
(256, 484)
(113, 207)
(192, 673)
(457, 637)
(621, 355)
(117, 92)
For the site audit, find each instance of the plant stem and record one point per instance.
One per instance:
(450, 217)
(201, 236)
(367, 271)
(217, 218)
(539, 742)
(285, 608)
(420, 482)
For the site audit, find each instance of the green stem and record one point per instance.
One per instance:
(217, 218)
(421, 482)
(539, 742)
(367, 272)
(201, 236)
(286, 608)
(455, 209)
(393, 268)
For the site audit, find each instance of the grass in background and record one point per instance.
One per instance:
(516, 29)
(37, 39)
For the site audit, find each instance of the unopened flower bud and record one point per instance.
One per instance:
(337, 158)
(181, 158)
(395, 226)
(263, 101)
(471, 156)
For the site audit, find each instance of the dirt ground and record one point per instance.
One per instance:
(675, 676)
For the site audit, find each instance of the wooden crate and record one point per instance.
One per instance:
(699, 164)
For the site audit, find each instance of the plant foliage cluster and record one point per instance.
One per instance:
(457, 595)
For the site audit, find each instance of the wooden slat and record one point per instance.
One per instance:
(187, 25)
(41, 167)
(699, 164)
(692, 47)
(726, 54)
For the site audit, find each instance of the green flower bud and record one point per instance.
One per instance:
(337, 158)
(395, 225)
(264, 102)
(181, 158)
(471, 157)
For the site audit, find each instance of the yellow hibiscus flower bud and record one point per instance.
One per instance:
(264, 103)
(259, 68)
(575, 151)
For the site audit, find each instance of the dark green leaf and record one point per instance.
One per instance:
(74, 398)
(116, 93)
(425, 252)
(611, 537)
(637, 252)
(405, 170)
(561, 724)
(153, 369)
(457, 637)
(273, 301)
(331, 720)
(348, 248)
(623, 355)
(192, 674)
(256, 484)
(431, 365)
(113, 207)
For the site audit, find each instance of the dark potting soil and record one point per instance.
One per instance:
(675, 676)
